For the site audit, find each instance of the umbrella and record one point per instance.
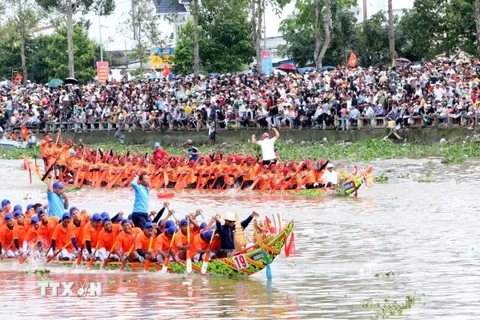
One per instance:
(329, 68)
(6, 83)
(171, 76)
(71, 81)
(214, 74)
(54, 83)
(287, 67)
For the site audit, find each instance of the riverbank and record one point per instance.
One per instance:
(289, 150)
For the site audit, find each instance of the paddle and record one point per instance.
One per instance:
(206, 257)
(53, 257)
(189, 260)
(79, 258)
(147, 262)
(128, 253)
(269, 271)
(90, 263)
(167, 259)
(105, 262)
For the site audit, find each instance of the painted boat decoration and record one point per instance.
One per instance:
(244, 263)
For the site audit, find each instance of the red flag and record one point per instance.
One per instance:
(270, 225)
(18, 78)
(166, 71)
(290, 247)
(352, 61)
(24, 132)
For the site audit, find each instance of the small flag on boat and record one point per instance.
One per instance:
(270, 225)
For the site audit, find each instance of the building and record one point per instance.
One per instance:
(375, 6)
(177, 12)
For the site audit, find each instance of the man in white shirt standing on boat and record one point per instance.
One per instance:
(331, 176)
(268, 147)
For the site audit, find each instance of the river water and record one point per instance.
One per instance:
(423, 234)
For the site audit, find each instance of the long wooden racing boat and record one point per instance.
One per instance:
(347, 186)
(243, 263)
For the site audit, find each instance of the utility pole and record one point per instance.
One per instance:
(365, 16)
(264, 30)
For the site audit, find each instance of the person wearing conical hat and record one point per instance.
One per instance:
(226, 230)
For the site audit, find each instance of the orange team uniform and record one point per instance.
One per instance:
(162, 243)
(62, 155)
(125, 241)
(191, 177)
(45, 232)
(49, 153)
(251, 173)
(32, 236)
(107, 239)
(21, 233)
(203, 172)
(91, 234)
(181, 239)
(79, 228)
(172, 174)
(7, 236)
(63, 236)
(198, 244)
(231, 174)
(142, 242)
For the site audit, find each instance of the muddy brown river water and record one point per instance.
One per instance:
(424, 234)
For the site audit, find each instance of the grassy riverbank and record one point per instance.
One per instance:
(365, 151)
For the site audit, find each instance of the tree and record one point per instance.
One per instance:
(196, 44)
(58, 57)
(68, 8)
(224, 38)
(23, 21)
(142, 21)
(477, 24)
(321, 42)
(391, 33)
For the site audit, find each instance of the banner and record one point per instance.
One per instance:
(160, 57)
(267, 65)
(102, 71)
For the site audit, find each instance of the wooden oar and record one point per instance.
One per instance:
(146, 265)
(90, 263)
(206, 256)
(53, 257)
(115, 179)
(105, 262)
(189, 260)
(167, 259)
(25, 256)
(128, 253)
(253, 184)
(79, 258)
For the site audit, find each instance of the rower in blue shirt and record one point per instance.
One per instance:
(142, 197)
(226, 232)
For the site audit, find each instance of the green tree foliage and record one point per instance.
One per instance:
(225, 38)
(84, 51)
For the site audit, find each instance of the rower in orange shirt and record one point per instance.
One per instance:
(6, 208)
(181, 240)
(31, 241)
(163, 242)
(43, 146)
(90, 237)
(64, 244)
(21, 226)
(79, 220)
(202, 172)
(126, 241)
(9, 245)
(172, 173)
(30, 212)
(45, 230)
(231, 171)
(250, 172)
(144, 250)
(201, 245)
(107, 238)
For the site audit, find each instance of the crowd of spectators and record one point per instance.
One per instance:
(322, 99)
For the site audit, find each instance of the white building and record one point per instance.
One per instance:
(374, 6)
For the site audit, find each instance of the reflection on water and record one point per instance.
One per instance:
(425, 233)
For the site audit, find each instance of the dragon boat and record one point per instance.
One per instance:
(249, 261)
(348, 184)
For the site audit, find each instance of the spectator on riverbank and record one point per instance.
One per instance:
(299, 101)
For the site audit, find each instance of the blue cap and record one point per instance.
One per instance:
(207, 234)
(5, 202)
(17, 213)
(17, 208)
(156, 144)
(119, 218)
(96, 217)
(148, 225)
(8, 217)
(169, 224)
(203, 225)
(105, 220)
(73, 209)
(125, 221)
(171, 229)
(105, 215)
(34, 219)
(183, 222)
(58, 185)
(40, 212)
(30, 206)
(66, 215)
